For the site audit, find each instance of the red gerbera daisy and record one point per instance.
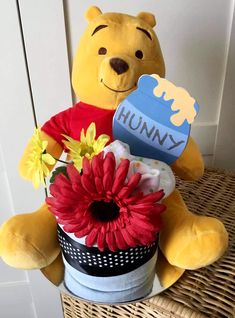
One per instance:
(102, 205)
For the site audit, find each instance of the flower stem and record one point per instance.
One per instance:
(59, 160)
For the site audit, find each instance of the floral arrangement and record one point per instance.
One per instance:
(97, 197)
(102, 205)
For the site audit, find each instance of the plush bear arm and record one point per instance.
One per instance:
(190, 165)
(53, 148)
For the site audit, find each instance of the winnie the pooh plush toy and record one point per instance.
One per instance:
(114, 51)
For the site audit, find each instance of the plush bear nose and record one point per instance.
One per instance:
(118, 65)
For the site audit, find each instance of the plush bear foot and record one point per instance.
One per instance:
(29, 241)
(55, 271)
(167, 273)
(189, 241)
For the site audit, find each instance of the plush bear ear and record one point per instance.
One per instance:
(148, 18)
(92, 12)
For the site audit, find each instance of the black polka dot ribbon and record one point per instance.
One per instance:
(91, 261)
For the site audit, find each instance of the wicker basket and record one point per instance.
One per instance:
(207, 292)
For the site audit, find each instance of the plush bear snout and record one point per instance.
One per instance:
(118, 74)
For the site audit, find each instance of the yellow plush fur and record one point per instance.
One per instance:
(187, 241)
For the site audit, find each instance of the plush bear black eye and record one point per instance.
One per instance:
(139, 54)
(102, 51)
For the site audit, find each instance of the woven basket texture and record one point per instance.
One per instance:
(207, 292)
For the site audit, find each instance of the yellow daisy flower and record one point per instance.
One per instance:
(87, 147)
(38, 160)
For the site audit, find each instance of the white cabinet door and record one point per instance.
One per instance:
(22, 294)
(225, 143)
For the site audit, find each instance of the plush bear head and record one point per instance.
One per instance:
(114, 51)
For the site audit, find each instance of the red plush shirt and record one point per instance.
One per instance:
(71, 121)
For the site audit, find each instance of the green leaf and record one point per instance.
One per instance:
(58, 170)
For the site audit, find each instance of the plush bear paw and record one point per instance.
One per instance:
(29, 240)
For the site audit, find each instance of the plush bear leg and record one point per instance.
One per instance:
(30, 240)
(189, 241)
(167, 273)
(55, 271)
